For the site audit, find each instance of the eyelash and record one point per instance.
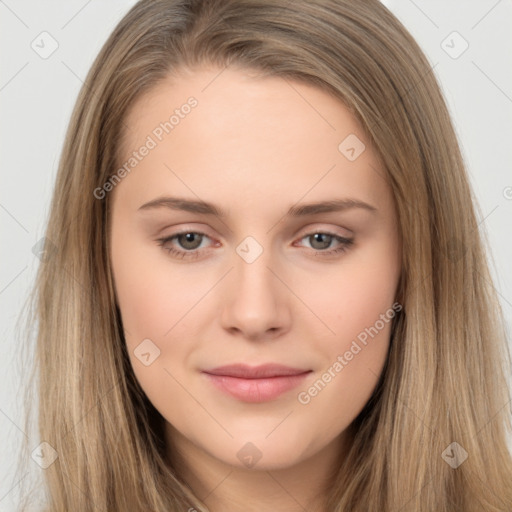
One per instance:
(345, 244)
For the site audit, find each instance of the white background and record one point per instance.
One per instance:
(37, 95)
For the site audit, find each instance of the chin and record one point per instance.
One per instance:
(256, 453)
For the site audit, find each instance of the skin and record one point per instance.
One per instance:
(254, 147)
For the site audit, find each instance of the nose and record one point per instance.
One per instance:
(256, 302)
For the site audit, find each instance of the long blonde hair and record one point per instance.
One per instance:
(445, 378)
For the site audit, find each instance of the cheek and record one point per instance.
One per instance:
(157, 303)
(351, 297)
(360, 313)
(355, 301)
(152, 294)
(153, 303)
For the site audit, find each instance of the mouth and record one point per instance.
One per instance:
(255, 384)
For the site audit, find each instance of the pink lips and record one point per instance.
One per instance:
(256, 383)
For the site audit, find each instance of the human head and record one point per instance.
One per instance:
(281, 301)
(362, 55)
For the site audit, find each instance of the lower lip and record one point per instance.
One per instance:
(256, 390)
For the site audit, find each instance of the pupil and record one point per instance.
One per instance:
(324, 243)
(189, 239)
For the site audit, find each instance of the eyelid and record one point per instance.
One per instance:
(182, 229)
(344, 243)
(315, 228)
(320, 228)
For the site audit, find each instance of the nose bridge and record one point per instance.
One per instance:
(255, 302)
(252, 269)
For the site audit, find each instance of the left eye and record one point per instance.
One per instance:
(324, 239)
(191, 242)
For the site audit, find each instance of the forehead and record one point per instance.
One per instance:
(257, 138)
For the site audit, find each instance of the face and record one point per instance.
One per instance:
(220, 257)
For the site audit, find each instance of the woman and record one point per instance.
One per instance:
(254, 371)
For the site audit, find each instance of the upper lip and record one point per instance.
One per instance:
(255, 372)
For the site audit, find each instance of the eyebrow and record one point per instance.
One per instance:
(301, 210)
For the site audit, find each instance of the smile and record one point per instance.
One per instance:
(254, 385)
